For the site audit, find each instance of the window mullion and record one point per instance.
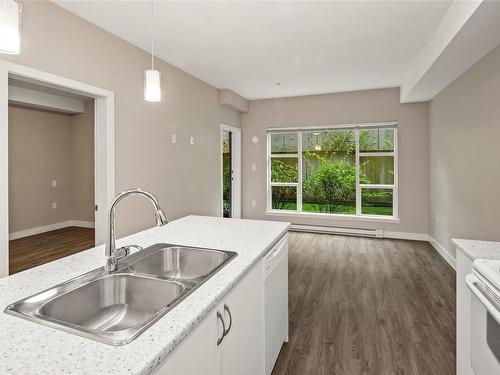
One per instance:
(299, 185)
(358, 187)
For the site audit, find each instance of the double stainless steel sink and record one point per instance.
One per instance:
(116, 307)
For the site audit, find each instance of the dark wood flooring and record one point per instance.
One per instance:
(368, 306)
(32, 251)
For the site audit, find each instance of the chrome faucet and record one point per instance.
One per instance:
(113, 255)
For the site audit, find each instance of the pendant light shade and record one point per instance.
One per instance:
(152, 87)
(152, 77)
(10, 27)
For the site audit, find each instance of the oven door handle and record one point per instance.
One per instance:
(481, 291)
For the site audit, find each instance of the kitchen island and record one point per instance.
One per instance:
(30, 348)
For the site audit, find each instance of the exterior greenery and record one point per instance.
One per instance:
(329, 186)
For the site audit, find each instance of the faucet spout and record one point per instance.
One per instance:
(112, 254)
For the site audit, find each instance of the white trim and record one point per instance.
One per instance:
(445, 254)
(103, 138)
(369, 218)
(284, 155)
(340, 126)
(82, 224)
(284, 183)
(4, 173)
(358, 171)
(298, 190)
(50, 227)
(374, 154)
(395, 191)
(359, 187)
(268, 173)
(375, 186)
(236, 166)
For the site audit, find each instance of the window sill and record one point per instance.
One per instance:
(369, 218)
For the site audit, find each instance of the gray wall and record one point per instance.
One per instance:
(59, 42)
(46, 146)
(343, 108)
(465, 156)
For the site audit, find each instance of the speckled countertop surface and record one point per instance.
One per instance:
(30, 348)
(475, 249)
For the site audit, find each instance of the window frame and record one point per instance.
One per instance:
(359, 187)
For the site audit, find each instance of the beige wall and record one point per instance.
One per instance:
(465, 156)
(59, 42)
(343, 108)
(82, 171)
(46, 146)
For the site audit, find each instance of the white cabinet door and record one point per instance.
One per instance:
(276, 316)
(242, 347)
(197, 354)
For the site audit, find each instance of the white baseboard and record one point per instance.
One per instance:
(443, 252)
(48, 228)
(82, 224)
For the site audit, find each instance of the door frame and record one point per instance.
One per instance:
(236, 165)
(104, 147)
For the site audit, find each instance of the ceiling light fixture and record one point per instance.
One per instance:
(152, 77)
(10, 27)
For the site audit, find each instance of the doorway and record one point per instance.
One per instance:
(51, 174)
(102, 189)
(230, 156)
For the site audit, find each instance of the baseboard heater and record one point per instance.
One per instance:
(379, 233)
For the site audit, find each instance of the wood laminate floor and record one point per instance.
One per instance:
(32, 251)
(368, 306)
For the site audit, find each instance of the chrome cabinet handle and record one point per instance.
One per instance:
(226, 308)
(219, 339)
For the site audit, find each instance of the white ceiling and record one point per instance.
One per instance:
(308, 47)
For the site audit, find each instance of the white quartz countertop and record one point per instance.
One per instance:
(476, 249)
(31, 348)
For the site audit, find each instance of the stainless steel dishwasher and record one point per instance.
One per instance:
(276, 301)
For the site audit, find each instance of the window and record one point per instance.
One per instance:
(349, 171)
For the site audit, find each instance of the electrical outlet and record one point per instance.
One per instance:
(54, 205)
(254, 203)
(54, 183)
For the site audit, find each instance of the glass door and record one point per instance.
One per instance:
(227, 173)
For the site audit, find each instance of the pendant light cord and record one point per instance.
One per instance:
(152, 35)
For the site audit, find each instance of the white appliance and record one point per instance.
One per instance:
(484, 282)
(276, 301)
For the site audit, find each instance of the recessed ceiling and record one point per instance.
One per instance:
(308, 47)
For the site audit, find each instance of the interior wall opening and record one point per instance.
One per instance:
(51, 174)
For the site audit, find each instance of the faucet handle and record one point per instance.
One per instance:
(161, 218)
(122, 252)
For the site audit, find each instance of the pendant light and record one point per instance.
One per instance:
(152, 77)
(10, 27)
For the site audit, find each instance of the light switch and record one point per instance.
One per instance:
(191, 140)
(254, 167)
(54, 205)
(254, 203)
(174, 138)
(54, 183)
